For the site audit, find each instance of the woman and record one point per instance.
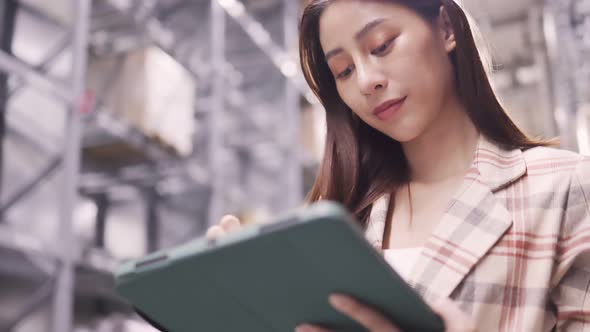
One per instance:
(463, 204)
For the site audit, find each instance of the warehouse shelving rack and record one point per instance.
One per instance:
(71, 94)
(59, 261)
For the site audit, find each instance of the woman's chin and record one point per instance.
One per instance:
(403, 136)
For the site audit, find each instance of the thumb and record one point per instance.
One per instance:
(455, 320)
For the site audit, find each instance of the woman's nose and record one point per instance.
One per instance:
(370, 79)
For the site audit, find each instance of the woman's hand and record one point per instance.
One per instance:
(455, 320)
(227, 224)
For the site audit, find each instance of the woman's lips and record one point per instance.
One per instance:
(389, 108)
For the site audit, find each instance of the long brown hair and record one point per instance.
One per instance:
(360, 163)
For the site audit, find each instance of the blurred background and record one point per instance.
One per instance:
(128, 126)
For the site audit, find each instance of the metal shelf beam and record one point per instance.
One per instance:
(53, 86)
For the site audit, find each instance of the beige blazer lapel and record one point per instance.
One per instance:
(473, 222)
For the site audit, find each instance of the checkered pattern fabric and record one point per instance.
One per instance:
(513, 247)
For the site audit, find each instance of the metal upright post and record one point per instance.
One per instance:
(562, 55)
(8, 10)
(541, 59)
(292, 107)
(151, 199)
(216, 112)
(63, 296)
(580, 11)
(102, 202)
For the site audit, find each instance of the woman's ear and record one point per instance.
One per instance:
(446, 31)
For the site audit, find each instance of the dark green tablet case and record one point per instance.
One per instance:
(271, 278)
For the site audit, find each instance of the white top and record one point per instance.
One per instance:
(402, 260)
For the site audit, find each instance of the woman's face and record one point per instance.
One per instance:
(391, 66)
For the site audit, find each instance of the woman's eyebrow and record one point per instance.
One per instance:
(333, 53)
(357, 36)
(368, 27)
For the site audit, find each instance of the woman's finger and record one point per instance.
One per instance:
(229, 223)
(455, 320)
(214, 232)
(311, 328)
(366, 316)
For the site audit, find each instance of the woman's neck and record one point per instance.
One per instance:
(446, 149)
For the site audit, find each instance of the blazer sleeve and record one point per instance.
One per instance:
(570, 295)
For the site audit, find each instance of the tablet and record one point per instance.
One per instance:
(272, 278)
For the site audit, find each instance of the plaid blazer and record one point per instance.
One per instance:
(513, 247)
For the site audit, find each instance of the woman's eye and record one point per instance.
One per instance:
(382, 49)
(345, 72)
